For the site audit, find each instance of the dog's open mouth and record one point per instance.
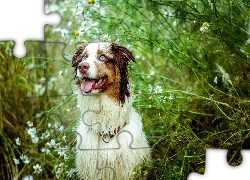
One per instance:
(92, 84)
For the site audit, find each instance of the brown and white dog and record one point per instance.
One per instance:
(109, 124)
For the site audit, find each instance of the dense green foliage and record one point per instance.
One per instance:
(190, 83)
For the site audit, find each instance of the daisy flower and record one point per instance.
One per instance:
(65, 34)
(30, 124)
(215, 79)
(59, 173)
(70, 173)
(45, 135)
(150, 88)
(158, 89)
(35, 140)
(171, 97)
(25, 159)
(16, 161)
(18, 142)
(38, 168)
(45, 150)
(64, 139)
(32, 131)
(62, 165)
(52, 143)
(29, 177)
(204, 27)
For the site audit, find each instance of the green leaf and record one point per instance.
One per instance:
(25, 86)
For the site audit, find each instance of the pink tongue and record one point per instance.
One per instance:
(87, 85)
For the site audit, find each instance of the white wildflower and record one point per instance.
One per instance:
(60, 73)
(70, 173)
(35, 140)
(56, 125)
(215, 79)
(45, 150)
(39, 114)
(158, 89)
(30, 66)
(152, 72)
(57, 145)
(64, 139)
(65, 34)
(32, 132)
(150, 88)
(106, 37)
(204, 27)
(38, 168)
(69, 23)
(30, 124)
(16, 161)
(37, 87)
(25, 159)
(29, 177)
(53, 143)
(225, 76)
(63, 166)
(171, 97)
(42, 91)
(66, 158)
(174, 23)
(210, 4)
(61, 152)
(48, 145)
(79, 12)
(18, 142)
(78, 34)
(43, 79)
(102, 12)
(61, 128)
(59, 173)
(45, 135)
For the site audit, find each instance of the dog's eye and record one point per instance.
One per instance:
(102, 58)
(83, 58)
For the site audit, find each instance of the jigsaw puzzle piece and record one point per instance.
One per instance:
(107, 151)
(26, 21)
(39, 86)
(218, 168)
(86, 20)
(89, 148)
(193, 29)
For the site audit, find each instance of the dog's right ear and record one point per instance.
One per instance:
(77, 58)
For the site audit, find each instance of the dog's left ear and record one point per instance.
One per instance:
(122, 55)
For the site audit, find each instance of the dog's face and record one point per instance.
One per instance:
(102, 68)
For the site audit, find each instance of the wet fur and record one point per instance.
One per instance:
(103, 113)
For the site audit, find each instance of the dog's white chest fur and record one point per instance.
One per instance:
(97, 159)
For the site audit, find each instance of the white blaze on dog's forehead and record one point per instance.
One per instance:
(93, 57)
(94, 47)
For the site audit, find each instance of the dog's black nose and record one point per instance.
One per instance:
(83, 67)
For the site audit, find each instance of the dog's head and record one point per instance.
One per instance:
(102, 68)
